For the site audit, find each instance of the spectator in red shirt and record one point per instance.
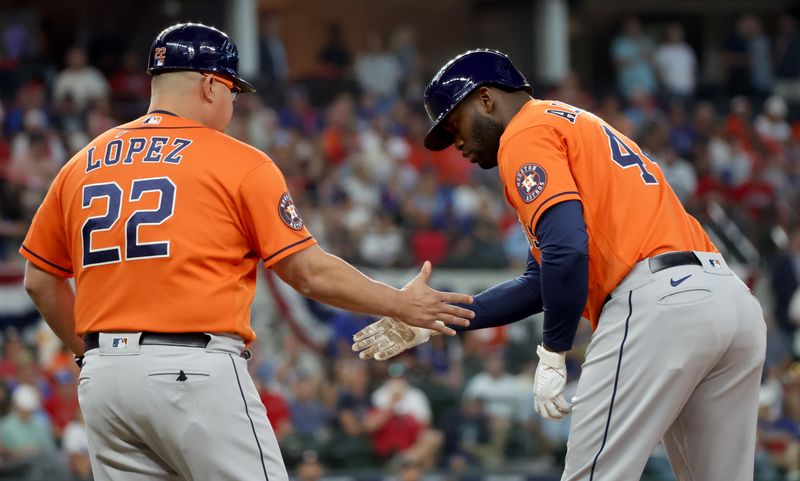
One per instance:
(277, 408)
(400, 421)
(394, 433)
(339, 136)
(63, 401)
(8, 365)
(740, 117)
(756, 195)
(130, 83)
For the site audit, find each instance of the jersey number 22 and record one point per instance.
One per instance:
(134, 250)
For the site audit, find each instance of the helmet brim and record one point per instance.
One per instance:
(438, 138)
(244, 85)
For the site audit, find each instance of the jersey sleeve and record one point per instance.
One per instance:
(535, 171)
(45, 245)
(270, 218)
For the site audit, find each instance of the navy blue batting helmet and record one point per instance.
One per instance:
(457, 79)
(194, 46)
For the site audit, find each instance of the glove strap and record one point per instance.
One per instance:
(555, 360)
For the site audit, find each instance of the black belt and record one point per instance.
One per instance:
(183, 339)
(673, 259)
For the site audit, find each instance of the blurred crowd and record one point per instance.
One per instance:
(348, 137)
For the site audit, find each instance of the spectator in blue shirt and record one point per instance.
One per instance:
(632, 53)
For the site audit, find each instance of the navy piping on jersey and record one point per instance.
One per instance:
(46, 261)
(252, 425)
(545, 203)
(162, 112)
(288, 247)
(616, 380)
(164, 128)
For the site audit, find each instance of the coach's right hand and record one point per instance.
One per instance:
(424, 306)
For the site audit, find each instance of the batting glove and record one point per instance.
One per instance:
(549, 383)
(388, 337)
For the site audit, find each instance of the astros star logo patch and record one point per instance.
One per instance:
(288, 212)
(531, 180)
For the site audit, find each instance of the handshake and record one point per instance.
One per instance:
(388, 337)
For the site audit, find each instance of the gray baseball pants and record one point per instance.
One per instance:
(146, 421)
(677, 357)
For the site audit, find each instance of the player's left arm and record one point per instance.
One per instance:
(559, 286)
(563, 242)
(55, 300)
(508, 302)
(535, 167)
(536, 172)
(565, 286)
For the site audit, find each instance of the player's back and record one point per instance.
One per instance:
(157, 234)
(631, 213)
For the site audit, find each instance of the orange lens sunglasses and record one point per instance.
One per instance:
(231, 86)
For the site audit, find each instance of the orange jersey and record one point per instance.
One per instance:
(551, 152)
(162, 221)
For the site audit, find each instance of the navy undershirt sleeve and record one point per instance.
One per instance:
(559, 287)
(508, 302)
(563, 242)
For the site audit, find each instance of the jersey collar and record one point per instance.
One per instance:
(159, 111)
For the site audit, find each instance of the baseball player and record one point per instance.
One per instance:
(162, 221)
(679, 341)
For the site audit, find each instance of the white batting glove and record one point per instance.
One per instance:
(549, 383)
(388, 337)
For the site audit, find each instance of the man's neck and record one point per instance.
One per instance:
(174, 107)
(516, 100)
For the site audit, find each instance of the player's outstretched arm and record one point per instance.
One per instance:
(512, 300)
(55, 299)
(505, 303)
(327, 278)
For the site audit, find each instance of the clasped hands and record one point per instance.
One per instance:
(388, 337)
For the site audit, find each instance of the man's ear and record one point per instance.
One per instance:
(207, 86)
(486, 99)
